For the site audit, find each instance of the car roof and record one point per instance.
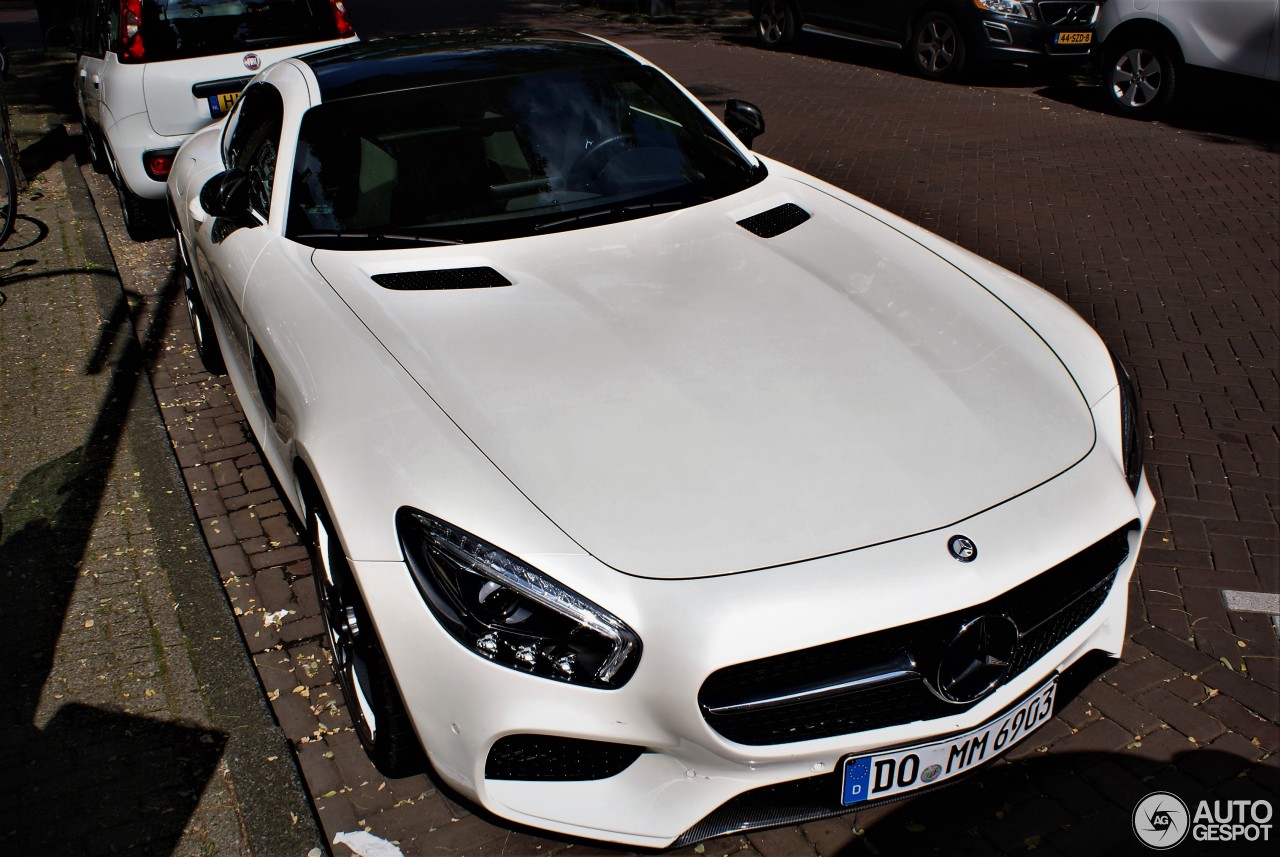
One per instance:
(409, 62)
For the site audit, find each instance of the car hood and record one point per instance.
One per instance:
(685, 398)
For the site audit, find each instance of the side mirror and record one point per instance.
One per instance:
(226, 195)
(744, 119)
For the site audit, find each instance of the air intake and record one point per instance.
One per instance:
(775, 221)
(442, 280)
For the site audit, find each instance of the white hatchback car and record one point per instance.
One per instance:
(1150, 45)
(151, 72)
(657, 488)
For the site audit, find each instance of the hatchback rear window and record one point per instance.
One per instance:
(180, 29)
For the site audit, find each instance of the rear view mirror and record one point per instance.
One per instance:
(744, 119)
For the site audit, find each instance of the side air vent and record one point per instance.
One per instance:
(441, 280)
(775, 221)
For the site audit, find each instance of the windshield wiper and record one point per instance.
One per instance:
(614, 210)
(377, 236)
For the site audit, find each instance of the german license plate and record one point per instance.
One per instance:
(1073, 39)
(222, 102)
(897, 772)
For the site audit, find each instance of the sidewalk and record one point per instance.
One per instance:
(139, 726)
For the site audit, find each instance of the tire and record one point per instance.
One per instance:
(144, 219)
(937, 49)
(776, 24)
(207, 348)
(8, 196)
(97, 155)
(1141, 77)
(373, 702)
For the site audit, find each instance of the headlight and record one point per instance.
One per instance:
(1012, 8)
(1129, 431)
(510, 613)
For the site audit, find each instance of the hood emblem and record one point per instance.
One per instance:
(963, 548)
(253, 62)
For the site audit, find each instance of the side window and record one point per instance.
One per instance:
(253, 141)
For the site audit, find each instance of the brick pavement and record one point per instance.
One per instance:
(1164, 236)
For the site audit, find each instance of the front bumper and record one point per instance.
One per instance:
(997, 38)
(688, 781)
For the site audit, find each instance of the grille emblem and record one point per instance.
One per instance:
(978, 659)
(963, 548)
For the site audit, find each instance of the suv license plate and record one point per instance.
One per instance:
(1073, 39)
(897, 772)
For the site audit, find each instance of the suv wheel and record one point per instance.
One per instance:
(776, 23)
(1142, 76)
(937, 47)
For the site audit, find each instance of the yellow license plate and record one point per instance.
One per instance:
(223, 102)
(1073, 38)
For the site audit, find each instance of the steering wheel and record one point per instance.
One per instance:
(592, 163)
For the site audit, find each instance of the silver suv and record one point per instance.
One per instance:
(1150, 46)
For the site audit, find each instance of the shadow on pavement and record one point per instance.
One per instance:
(91, 780)
(1238, 115)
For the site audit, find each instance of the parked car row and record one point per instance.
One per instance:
(151, 72)
(654, 488)
(1143, 49)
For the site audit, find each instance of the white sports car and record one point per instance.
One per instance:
(655, 489)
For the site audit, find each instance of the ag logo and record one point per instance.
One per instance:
(1161, 820)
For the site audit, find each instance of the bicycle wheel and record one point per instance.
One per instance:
(8, 196)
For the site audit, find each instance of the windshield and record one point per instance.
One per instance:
(506, 157)
(180, 29)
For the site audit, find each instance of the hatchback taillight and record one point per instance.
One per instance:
(342, 19)
(131, 48)
(158, 163)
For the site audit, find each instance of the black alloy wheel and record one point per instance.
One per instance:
(937, 48)
(373, 702)
(206, 341)
(776, 23)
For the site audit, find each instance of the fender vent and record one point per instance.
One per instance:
(775, 221)
(443, 279)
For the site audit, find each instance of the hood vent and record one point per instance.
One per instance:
(442, 280)
(775, 221)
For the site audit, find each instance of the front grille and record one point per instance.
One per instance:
(816, 797)
(1066, 14)
(1046, 609)
(548, 758)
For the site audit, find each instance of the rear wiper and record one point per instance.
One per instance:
(377, 236)
(618, 209)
